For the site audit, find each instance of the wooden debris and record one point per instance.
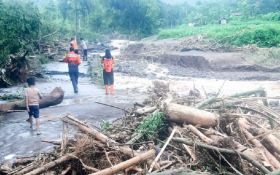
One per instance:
(185, 114)
(223, 150)
(50, 165)
(126, 164)
(237, 141)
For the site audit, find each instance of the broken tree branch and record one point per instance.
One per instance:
(126, 164)
(162, 149)
(224, 150)
(50, 165)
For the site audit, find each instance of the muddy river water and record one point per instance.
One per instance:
(16, 138)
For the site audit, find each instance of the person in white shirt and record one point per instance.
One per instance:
(84, 49)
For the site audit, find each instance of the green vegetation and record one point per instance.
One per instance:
(237, 32)
(105, 125)
(20, 24)
(249, 22)
(25, 23)
(152, 125)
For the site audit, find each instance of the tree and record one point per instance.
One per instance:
(20, 23)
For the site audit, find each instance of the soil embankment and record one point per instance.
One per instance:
(193, 58)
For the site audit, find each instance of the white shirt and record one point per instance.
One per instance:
(83, 44)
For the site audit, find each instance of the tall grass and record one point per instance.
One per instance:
(263, 33)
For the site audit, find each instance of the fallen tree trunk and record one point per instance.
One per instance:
(126, 164)
(52, 99)
(224, 150)
(185, 114)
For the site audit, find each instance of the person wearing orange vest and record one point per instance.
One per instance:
(73, 44)
(108, 73)
(73, 60)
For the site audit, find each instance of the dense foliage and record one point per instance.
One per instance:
(24, 22)
(237, 32)
(248, 22)
(93, 17)
(20, 25)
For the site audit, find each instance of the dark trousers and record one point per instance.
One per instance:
(108, 78)
(85, 54)
(74, 76)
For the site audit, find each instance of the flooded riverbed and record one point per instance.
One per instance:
(16, 138)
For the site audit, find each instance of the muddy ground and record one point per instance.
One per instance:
(194, 57)
(184, 64)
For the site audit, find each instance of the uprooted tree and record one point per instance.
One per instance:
(20, 26)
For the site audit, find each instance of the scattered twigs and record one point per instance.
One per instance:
(224, 150)
(64, 172)
(50, 165)
(26, 169)
(125, 152)
(220, 89)
(237, 172)
(188, 149)
(107, 157)
(112, 106)
(126, 164)
(52, 142)
(98, 135)
(199, 134)
(89, 168)
(162, 149)
(135, 138)
(254, 110)
(270, 158)
(140, 143)
(212, 100)
(180, 171)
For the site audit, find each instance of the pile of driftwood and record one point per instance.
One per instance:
(230, 135)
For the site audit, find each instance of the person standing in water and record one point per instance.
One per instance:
(108, 73)
(73, 60)
(32, 97)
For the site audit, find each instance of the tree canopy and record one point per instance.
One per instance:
(24, 21)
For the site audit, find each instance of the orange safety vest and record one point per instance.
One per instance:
(108, 64)
(73, 58)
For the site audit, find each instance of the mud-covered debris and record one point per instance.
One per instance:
(232, 135)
